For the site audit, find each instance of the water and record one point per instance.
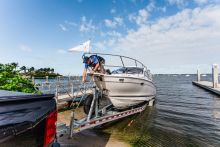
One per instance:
(184, 115)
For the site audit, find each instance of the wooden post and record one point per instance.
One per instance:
(72, 88)
(198, 75)
(58, 78)
(47, 80)
(33, 80)
(215, 75)
(57, 91)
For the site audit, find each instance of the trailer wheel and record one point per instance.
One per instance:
(87, 103)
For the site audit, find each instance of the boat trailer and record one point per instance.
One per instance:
(98, 116)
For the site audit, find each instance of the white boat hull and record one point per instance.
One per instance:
(126, 91)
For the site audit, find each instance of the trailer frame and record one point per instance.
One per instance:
(97, 117)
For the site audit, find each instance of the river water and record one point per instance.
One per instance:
(184, 115)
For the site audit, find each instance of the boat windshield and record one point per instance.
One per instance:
(128, 70)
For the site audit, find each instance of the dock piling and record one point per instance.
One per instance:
(57, 91)
(198, 75)
(72, 86)
(211, 86)
(215, 75)
(33, 80)
(47, 80)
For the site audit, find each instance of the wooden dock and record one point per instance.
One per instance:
(213, 86)
(69, 96)
(65, 100)
(208, 86)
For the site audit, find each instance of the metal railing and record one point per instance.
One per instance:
(60, 86)
(147, 74)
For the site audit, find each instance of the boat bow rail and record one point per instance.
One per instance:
(135, 63)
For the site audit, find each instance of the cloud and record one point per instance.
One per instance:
(100, 45)
(113, 10)
(151, 6)
(188, 38)
(179, 3)
(117, 21)
(163, 9)
(61, 51)
(25, 48)
(62, 27)
(105, 44)
(67, 25)
(70, 23)
(111, 34)
(86, 25)
(140, 18)
(114, 34)
(201, 2)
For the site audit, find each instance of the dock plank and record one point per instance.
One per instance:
(208, 86)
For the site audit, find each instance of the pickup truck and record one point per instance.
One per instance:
(27, 120)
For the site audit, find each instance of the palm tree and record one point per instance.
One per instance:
(14, 64)
(23, 68)
(31, 69)
(52, 70)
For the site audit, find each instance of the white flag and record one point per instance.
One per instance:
(82, 47)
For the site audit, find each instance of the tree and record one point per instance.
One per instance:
(23, 68)
(10, 79)
(14, 64)
(31, 69)
(52, 70)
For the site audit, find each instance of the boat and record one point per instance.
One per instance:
(126, 86)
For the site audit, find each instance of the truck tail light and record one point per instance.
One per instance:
(50, 128)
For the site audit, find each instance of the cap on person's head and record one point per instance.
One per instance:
(85, 59)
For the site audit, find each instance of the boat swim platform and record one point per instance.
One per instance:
(207, 86)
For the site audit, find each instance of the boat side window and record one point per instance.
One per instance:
(134, 70)
(119, 71)
(128, 70)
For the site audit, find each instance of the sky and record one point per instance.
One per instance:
(168, 36)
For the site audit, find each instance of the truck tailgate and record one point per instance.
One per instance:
(22, 119)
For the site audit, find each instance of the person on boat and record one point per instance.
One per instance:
(95, 63)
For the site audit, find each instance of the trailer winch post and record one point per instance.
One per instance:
(71, 124)
(96, 103)
(93, 103)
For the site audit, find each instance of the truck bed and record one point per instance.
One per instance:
(23, 118)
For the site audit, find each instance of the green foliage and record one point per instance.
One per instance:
(39, 73)
(10, 79)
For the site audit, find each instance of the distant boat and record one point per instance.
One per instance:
(204, 75)
(187, 75)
